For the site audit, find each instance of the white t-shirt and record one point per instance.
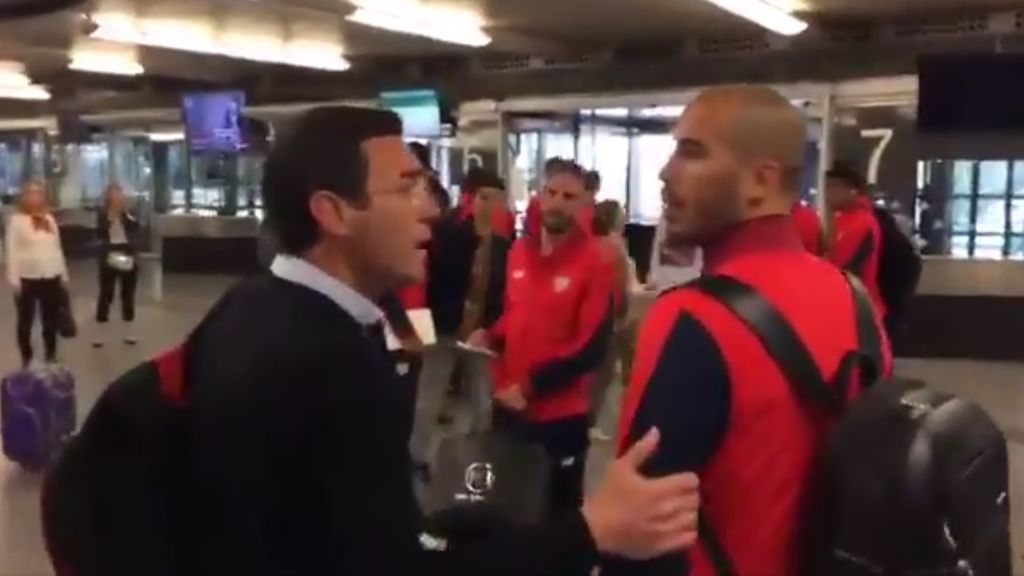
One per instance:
(670, 267)
(33, 254)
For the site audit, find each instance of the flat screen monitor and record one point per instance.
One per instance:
(971, 93)
(213, 120)
(420, 111)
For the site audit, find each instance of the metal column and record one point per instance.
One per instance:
(825, 161)
(503, 145)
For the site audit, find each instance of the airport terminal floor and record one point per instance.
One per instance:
(185, 298)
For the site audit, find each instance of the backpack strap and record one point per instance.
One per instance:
(778, 337)
(860, 258)
(785, 347)
(869, 339)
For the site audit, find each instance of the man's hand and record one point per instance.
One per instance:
(479, 339)
(640, 518)
(512, 398)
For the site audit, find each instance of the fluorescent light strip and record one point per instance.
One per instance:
(166, 136)
(438, 28)
(177, 36)
(33, 92)
(764, 14)
(104, 64)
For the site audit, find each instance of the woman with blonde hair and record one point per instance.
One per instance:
(36, 269)
(610, 224)
(117, 230)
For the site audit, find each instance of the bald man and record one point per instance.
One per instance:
(700, 375)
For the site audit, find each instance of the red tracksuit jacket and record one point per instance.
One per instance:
(808, 226)
(556, 324)
(721, 403)
(857, 246)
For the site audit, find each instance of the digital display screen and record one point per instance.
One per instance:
(419, 110)
(970, 93)
(213, 120)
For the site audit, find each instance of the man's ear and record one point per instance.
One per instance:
(333, 215)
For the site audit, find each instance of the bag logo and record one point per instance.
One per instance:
(479, 480)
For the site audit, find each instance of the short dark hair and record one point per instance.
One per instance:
(559, 165)
(556, 166)
(477, 178)
(607, 215)
(592, 180)
(321, 150)
(848, 174)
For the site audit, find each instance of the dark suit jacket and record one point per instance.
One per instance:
(452, 251)
(296, 457)
(131, 231)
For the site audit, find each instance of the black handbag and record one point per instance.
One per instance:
(66, 325)
(495, 474)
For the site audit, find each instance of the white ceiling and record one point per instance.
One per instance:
(524, 26)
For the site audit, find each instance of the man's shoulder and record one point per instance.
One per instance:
(267, 307)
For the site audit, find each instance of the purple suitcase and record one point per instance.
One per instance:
(37, 414)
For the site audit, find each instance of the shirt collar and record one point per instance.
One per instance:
(301, 272)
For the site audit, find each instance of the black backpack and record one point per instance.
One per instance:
(899, 264)
(909, 481)
(109, 501)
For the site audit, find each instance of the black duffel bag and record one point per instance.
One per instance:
(492, 476)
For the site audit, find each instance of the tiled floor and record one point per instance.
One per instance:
(998, 387)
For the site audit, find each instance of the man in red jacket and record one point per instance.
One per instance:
(856, 239)
(554, 331)
(700, 374)
(808, 226)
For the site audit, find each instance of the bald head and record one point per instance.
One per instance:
(739, 154)
(758, 124)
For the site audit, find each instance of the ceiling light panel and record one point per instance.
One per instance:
(16, 85)
(99, 57)
(764, 13)
(441, 23)
(101, 63)
(205, 36)
(32, 92)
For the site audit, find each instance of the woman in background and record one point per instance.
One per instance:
(610, 224)
(118, 237)
(36, 270)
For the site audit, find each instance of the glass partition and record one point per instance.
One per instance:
(13, 150)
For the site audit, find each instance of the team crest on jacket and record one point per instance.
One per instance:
(518, 274)
(561, 283)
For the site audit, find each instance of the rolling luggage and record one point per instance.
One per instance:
(37, 414)
(909, 481)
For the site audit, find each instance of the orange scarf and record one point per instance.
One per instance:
(41, 223)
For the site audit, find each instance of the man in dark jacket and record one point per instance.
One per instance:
(294, 456)
(465, 291)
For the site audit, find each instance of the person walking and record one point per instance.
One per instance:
(118, 267)
(36, 270)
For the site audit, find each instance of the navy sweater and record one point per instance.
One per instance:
(297, 460)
